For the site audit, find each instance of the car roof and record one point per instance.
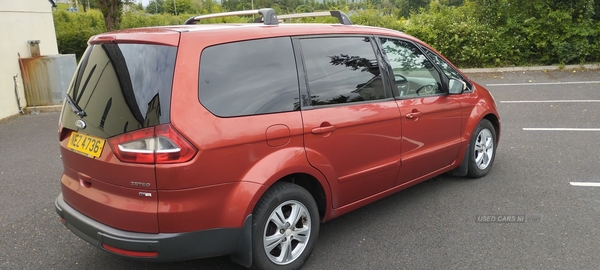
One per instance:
(241, 31)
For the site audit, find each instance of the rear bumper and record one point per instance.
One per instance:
(161, 247)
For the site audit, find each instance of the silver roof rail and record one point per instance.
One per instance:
(341, 16)
(268, 16)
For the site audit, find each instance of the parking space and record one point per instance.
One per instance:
(555, 114)
(439, 224)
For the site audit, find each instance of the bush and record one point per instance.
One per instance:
(455, 33)
(374, 17)
(135, 20)
(556, 37)
(476, 34)
(73, 30)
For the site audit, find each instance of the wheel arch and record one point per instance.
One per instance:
(472, 125)
(483, 110)
(496, 123)
(303, 179)
(289, 165)
(313, 186)
(293, 169)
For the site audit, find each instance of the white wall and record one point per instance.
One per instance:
(20, 21)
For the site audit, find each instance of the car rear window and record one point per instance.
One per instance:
(249, 78)
(121, 88)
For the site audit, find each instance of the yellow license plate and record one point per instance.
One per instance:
(86, 144)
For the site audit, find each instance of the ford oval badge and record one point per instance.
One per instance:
(80, 124)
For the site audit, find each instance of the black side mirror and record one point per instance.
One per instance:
(456, 86)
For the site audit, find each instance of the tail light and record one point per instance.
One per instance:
(159, 144)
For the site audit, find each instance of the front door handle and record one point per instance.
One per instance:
(322, 130)
(413, 115)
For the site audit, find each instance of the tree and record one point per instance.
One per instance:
(176, 7)
(156, 6)
(111, 10)
(88, 4)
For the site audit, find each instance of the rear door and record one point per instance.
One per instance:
(117, 89)
(352, 127)
(431, 118)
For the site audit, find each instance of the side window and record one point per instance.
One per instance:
(445, 67)
(341, 70)
(414, 74)
(249, 77)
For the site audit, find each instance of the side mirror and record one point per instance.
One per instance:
(456, 86)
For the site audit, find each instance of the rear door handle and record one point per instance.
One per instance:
(321, 130)
(413, 115)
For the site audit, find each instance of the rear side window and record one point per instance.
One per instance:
(341, 70)
(249, 78)
(121, 88)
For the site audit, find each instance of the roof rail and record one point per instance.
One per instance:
(341, 16)
(268, 16)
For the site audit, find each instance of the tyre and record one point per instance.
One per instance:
(482, 149)
(285, 227)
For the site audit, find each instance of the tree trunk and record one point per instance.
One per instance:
(82, 2)
(111, 10)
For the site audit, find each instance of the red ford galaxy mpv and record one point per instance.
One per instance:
(193, 141)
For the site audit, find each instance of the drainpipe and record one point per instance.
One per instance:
(17, 94)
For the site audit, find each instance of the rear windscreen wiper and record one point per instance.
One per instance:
(74, 107)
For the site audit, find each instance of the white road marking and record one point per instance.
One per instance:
(532, 83)
(562, 129)
(552, 101)
(585, 184)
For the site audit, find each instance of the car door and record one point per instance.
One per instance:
(352, 124)
(431, 118)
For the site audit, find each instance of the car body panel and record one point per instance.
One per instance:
(424, 148)
(102, 189)
(362, 154)
(158, 36)
(373, 151)
(220, 206)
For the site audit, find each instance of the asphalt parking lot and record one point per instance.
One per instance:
(539, 208)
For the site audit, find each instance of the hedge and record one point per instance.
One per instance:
(460, 33)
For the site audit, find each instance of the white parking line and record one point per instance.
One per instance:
(532, 83)
(585, 184)
(562, 129)
(552, 101)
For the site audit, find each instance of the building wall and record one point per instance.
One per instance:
(21, 21)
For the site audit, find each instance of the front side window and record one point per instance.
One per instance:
(249, 78)
(445, 67)
(341, 70)
(414, 74)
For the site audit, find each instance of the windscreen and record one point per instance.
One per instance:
(119, 88)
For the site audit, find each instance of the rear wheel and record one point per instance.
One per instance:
(482, 149)
(285, 227)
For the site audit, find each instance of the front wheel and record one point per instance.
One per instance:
(482, 149)
(285, 227)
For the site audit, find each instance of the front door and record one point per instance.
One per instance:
(431, 118)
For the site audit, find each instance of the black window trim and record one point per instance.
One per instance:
(303, 81)
(305, 102)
